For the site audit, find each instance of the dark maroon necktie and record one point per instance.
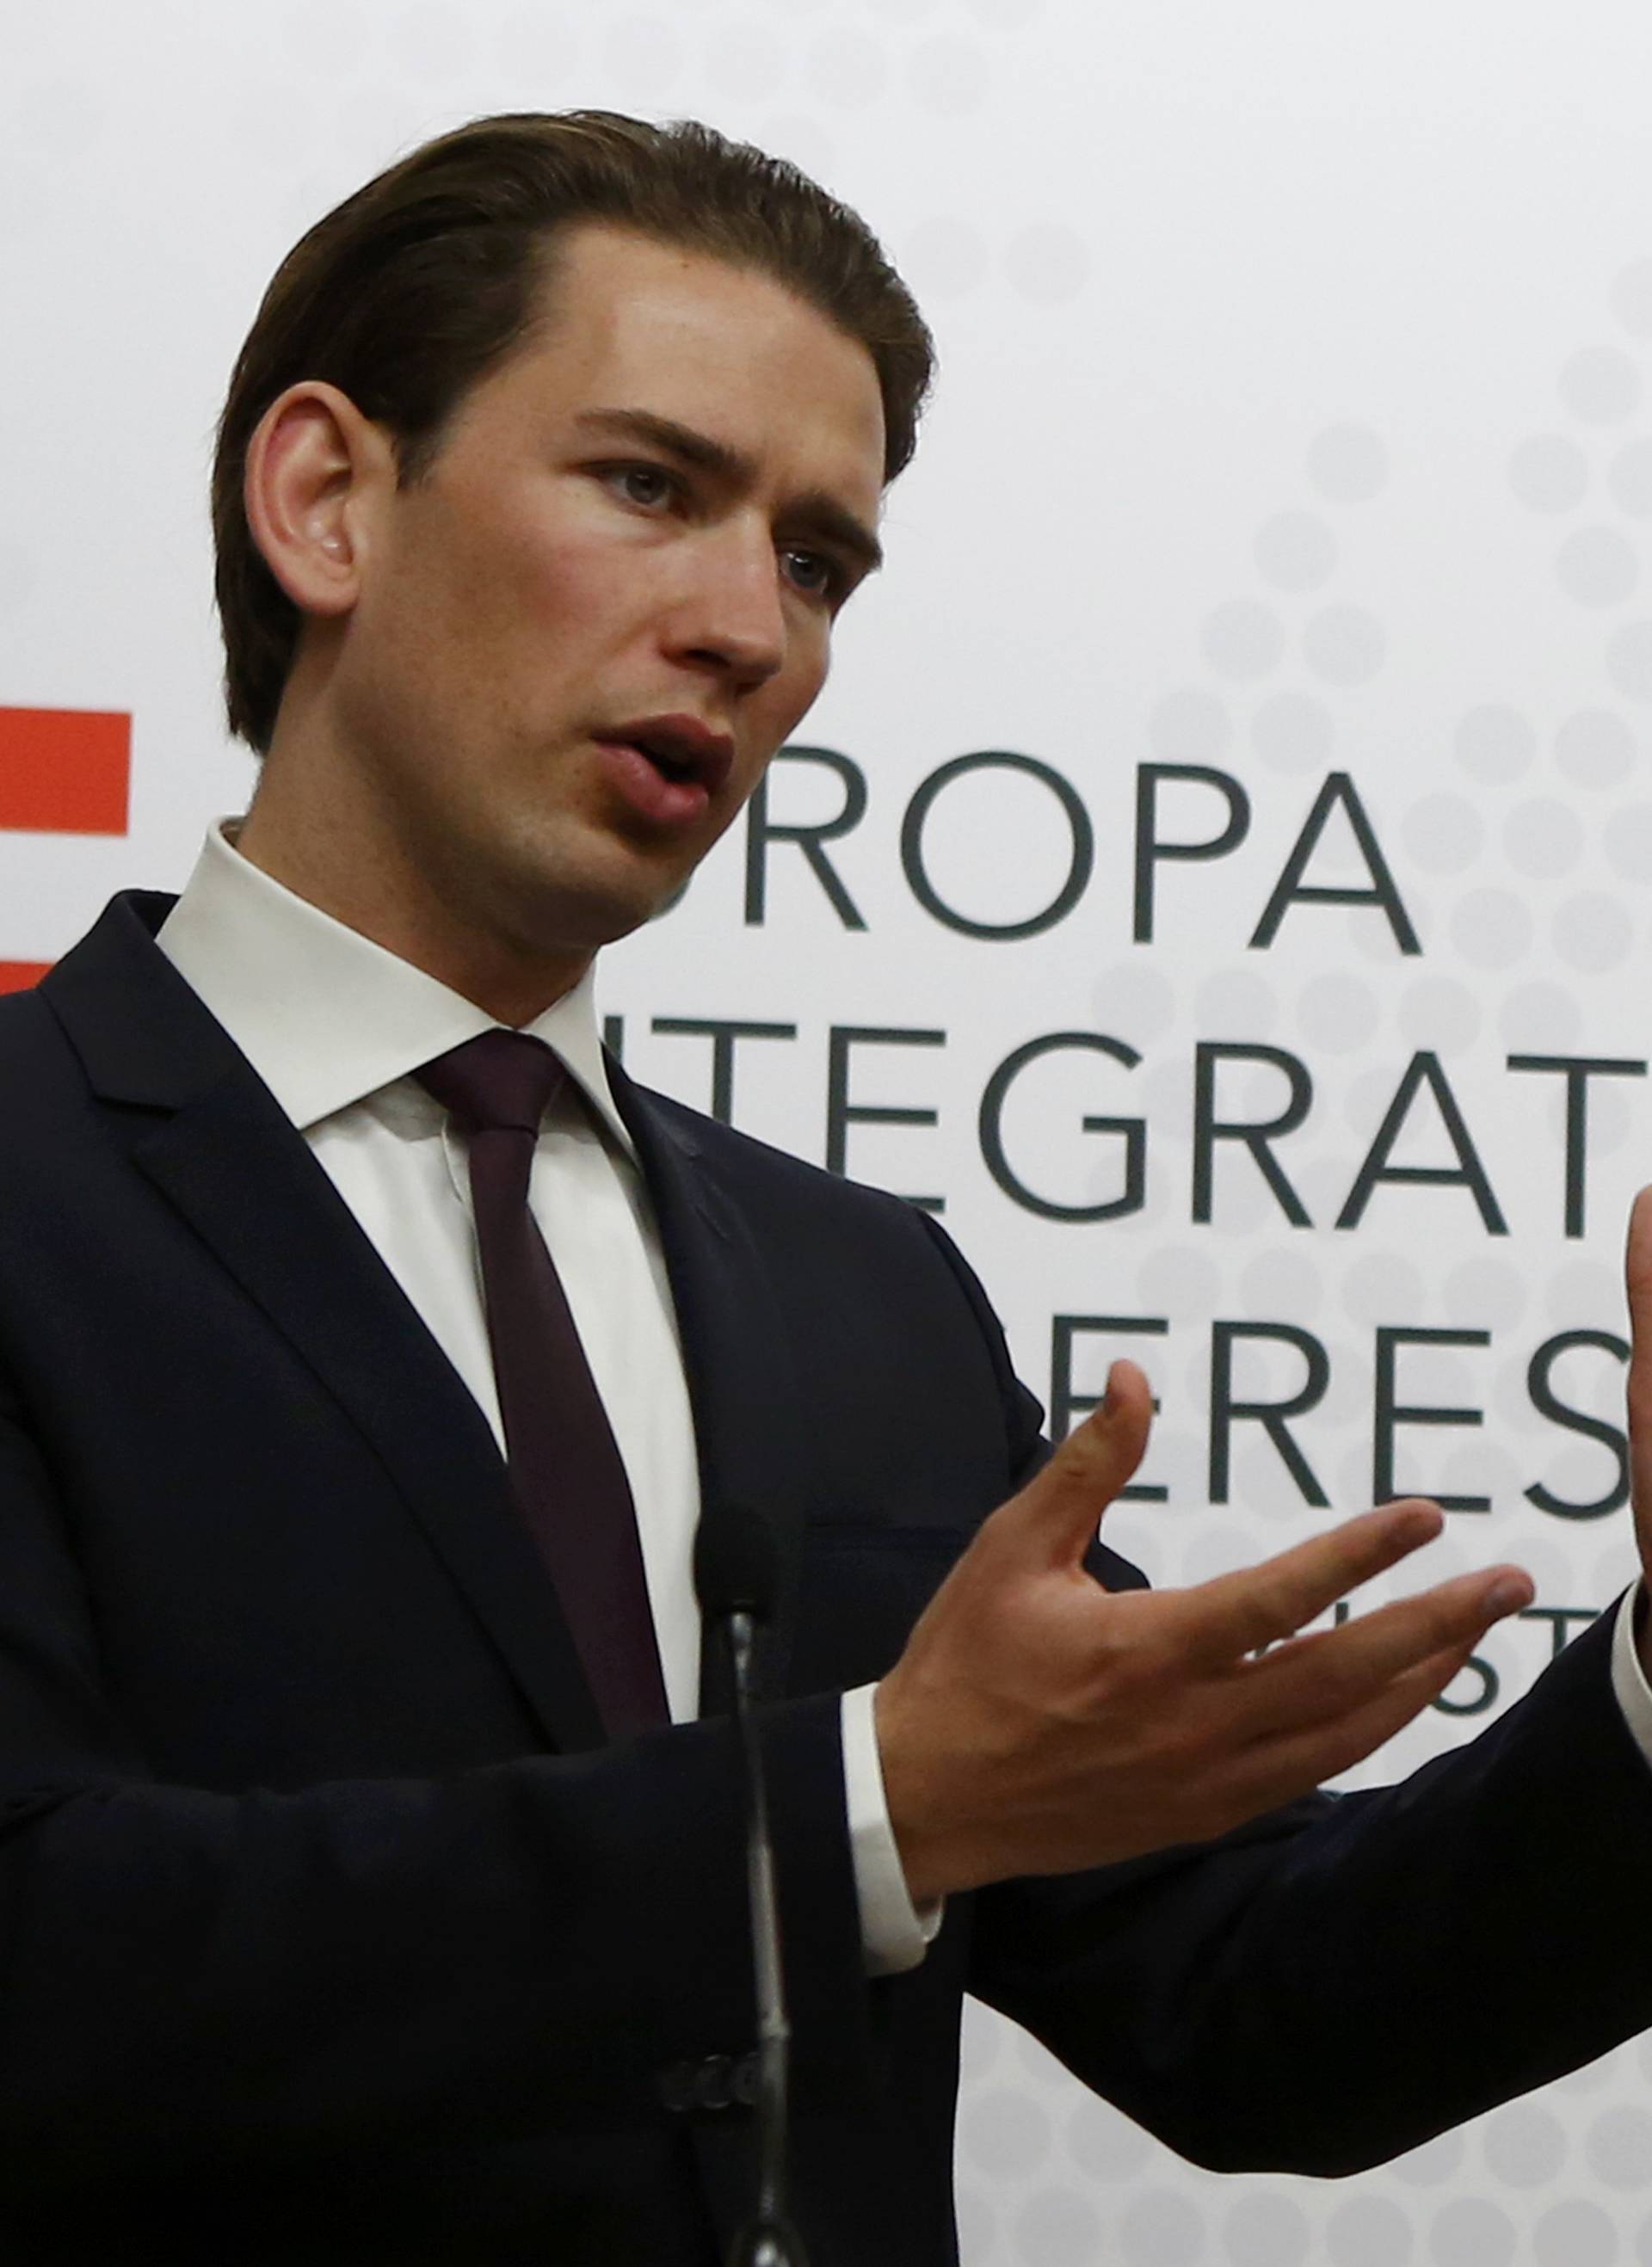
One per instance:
(565, 1466)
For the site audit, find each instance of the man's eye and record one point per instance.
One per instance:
(812, 573)
(642, 484)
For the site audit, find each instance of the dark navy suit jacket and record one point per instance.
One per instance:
(330, 1932)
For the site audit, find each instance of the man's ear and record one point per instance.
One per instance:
(314, 468)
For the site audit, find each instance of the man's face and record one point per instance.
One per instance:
(583, 634)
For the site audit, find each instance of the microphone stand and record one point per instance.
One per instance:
(769, 2239)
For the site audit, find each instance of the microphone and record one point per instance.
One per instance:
(736, 1576)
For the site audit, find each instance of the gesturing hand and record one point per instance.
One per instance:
(1037, 1723)
(1638, 1283)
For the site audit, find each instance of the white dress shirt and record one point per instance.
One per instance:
(335, 1026)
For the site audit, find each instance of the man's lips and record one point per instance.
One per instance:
(685, 752)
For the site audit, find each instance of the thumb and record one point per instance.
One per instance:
(1063, 1506)
(1638, 1285)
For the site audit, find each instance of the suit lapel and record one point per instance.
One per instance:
(737, 1355)
(202, 1126)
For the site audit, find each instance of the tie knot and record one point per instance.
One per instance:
(502, 1079)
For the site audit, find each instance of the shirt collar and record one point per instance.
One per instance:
(325, 1016)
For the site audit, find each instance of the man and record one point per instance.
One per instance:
(372, 1860)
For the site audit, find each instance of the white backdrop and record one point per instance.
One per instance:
(1292, 428)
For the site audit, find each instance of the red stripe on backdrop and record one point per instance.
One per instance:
(18, 975)
(64, 771)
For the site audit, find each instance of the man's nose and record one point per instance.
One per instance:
(732, 612)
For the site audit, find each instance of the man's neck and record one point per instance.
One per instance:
(352, 891)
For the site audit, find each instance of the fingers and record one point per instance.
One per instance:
(1336, 1673)
(1240, 1613)
(1288, 1766)
(1063, 1506)
(1637, 1260)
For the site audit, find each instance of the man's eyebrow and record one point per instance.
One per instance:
(822, 515)
(817, 512)
(681, 441)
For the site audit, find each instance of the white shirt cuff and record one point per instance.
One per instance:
(1628, 1679)
(894, 1933)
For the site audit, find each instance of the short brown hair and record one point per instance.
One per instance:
(417, 285)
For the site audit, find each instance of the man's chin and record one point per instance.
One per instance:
(599, 912)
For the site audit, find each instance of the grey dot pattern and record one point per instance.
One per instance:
(847, 68)
(1441, 1013)
(1539, 1018)
(1375, 1289)
(1593, 932)
(1433, 2163)
(1103, 2143)
(1162, 2229)
(1444, 833)
(1629, 478)
(802, 138)
(1281, 1284)
(1337, 1013)
(1549, 472)
(1488, 1285)
(1005, 2134)
(945, 258)
(977, 2217)
(949, 75)
(1600, 385)
(1047, 263)
(1632, 298)
(1524, 2145)
(1494, 744)
(1236, 1003)
(1179, 1278)
(1244, 639)
(1135, 1000)
(1598, 567)
(1253, 640)
(1492, 928)
(1626, 841)
(1629, 660)
(647, 52)
(1190, 725)
(1472, 2232)
(433, 42)
(1543, 839)
(1344, 645)
(1294, 731)
(752, 62)
(1059, 2227)
(528, 41)
(1266, 2230)
(1575, 2234)
(1595, 748)
(1348, 464)
(1370, 2231)
(1617, 2146)
(1296, 551)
